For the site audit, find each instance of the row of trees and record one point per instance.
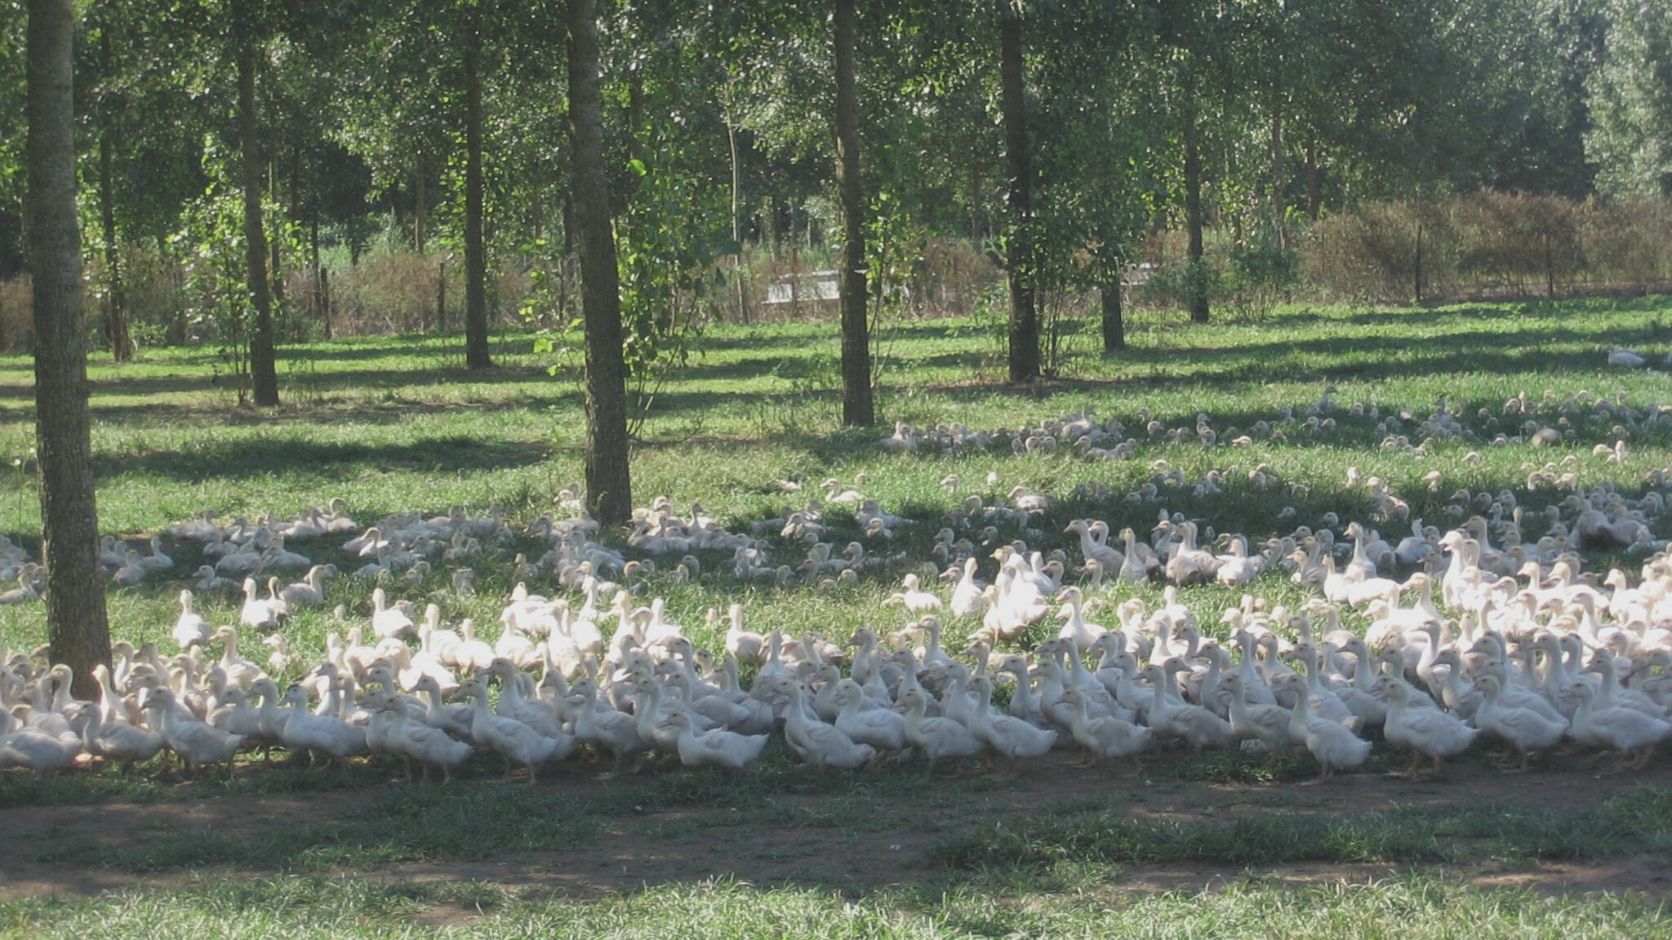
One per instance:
(245, 138)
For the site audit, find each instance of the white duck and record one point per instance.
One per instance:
(937, 738)
(715, 748)
(516, 742)
(1424, 731)
(1331, 743)
(1523, 729)
(1104, 736)
(190, 629)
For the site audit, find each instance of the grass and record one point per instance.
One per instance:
(1411, 907)
(391, 424)
(1636, 823)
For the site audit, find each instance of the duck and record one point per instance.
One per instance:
(716, 748)
(1197, 726)
(1266, 723)
(1104, 737)
(390, 731)
(257, 613)
(1617, 728)
(190, 629)
(389, 622)
(601, 725)
(1332, 744)
(1423, 731)
(117, 740)
(816, 742)
(1004, 735)
(937, 738)
(913, 597)
(310, 591)
(1523, 729)
(511, 739)
(197, 743)
(882, 728)
(968, 598)
(317, 734)
(35, 750)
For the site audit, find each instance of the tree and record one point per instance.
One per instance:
(77, 628)
(858, 408)
(264, 379)
(476, 262)
(1631, 101)
(1024, 316)
(609, 494)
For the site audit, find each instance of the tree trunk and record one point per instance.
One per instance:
(1198, 300)
(77, 629)
(1114, 324)
(264, 378)
(1024, 316)
(1278, 207)
(1314, 186)
(116, 305)
(858, 408)
(418, 205)
(475, 260)
(609, 495)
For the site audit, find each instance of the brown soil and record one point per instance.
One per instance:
(634, 851)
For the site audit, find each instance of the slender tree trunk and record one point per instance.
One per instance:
(116, 307)
(1198, 300)
(1314, 187)
(1278, 206)
(77, 629)
(609, 494)
(1024, 315)
(264, 378)
(475, 259)
(1114, 324)
(858, 408)
(116, 304)
(275, 266)
(418, 194)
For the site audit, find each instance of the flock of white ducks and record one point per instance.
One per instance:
(1473, 633)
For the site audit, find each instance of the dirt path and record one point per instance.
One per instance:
(746, 842)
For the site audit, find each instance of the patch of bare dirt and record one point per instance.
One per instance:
(804, 839)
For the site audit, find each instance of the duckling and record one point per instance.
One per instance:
(119, 741)
(1617, 728)
(715, 748)
(35, 750)
(816, 742)
(935, 737)
(391, 732)
(1265, 723)
(1422, 731)
(516, 742)
(1006, 736)
(327, 734)
(257, 613)
(1332, 744)
(1104, 736)
(190, 630)
(882, 728)
(197, 743)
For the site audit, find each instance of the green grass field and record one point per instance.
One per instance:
(395, 424)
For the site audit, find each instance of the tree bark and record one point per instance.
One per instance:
(1114, 323)
(418, 205)
(1024, 315)
(264, 380)
(77, 628)
(609, 495)
(475, 259)
(1198, 299)
(858, 407)
(1313, 183)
